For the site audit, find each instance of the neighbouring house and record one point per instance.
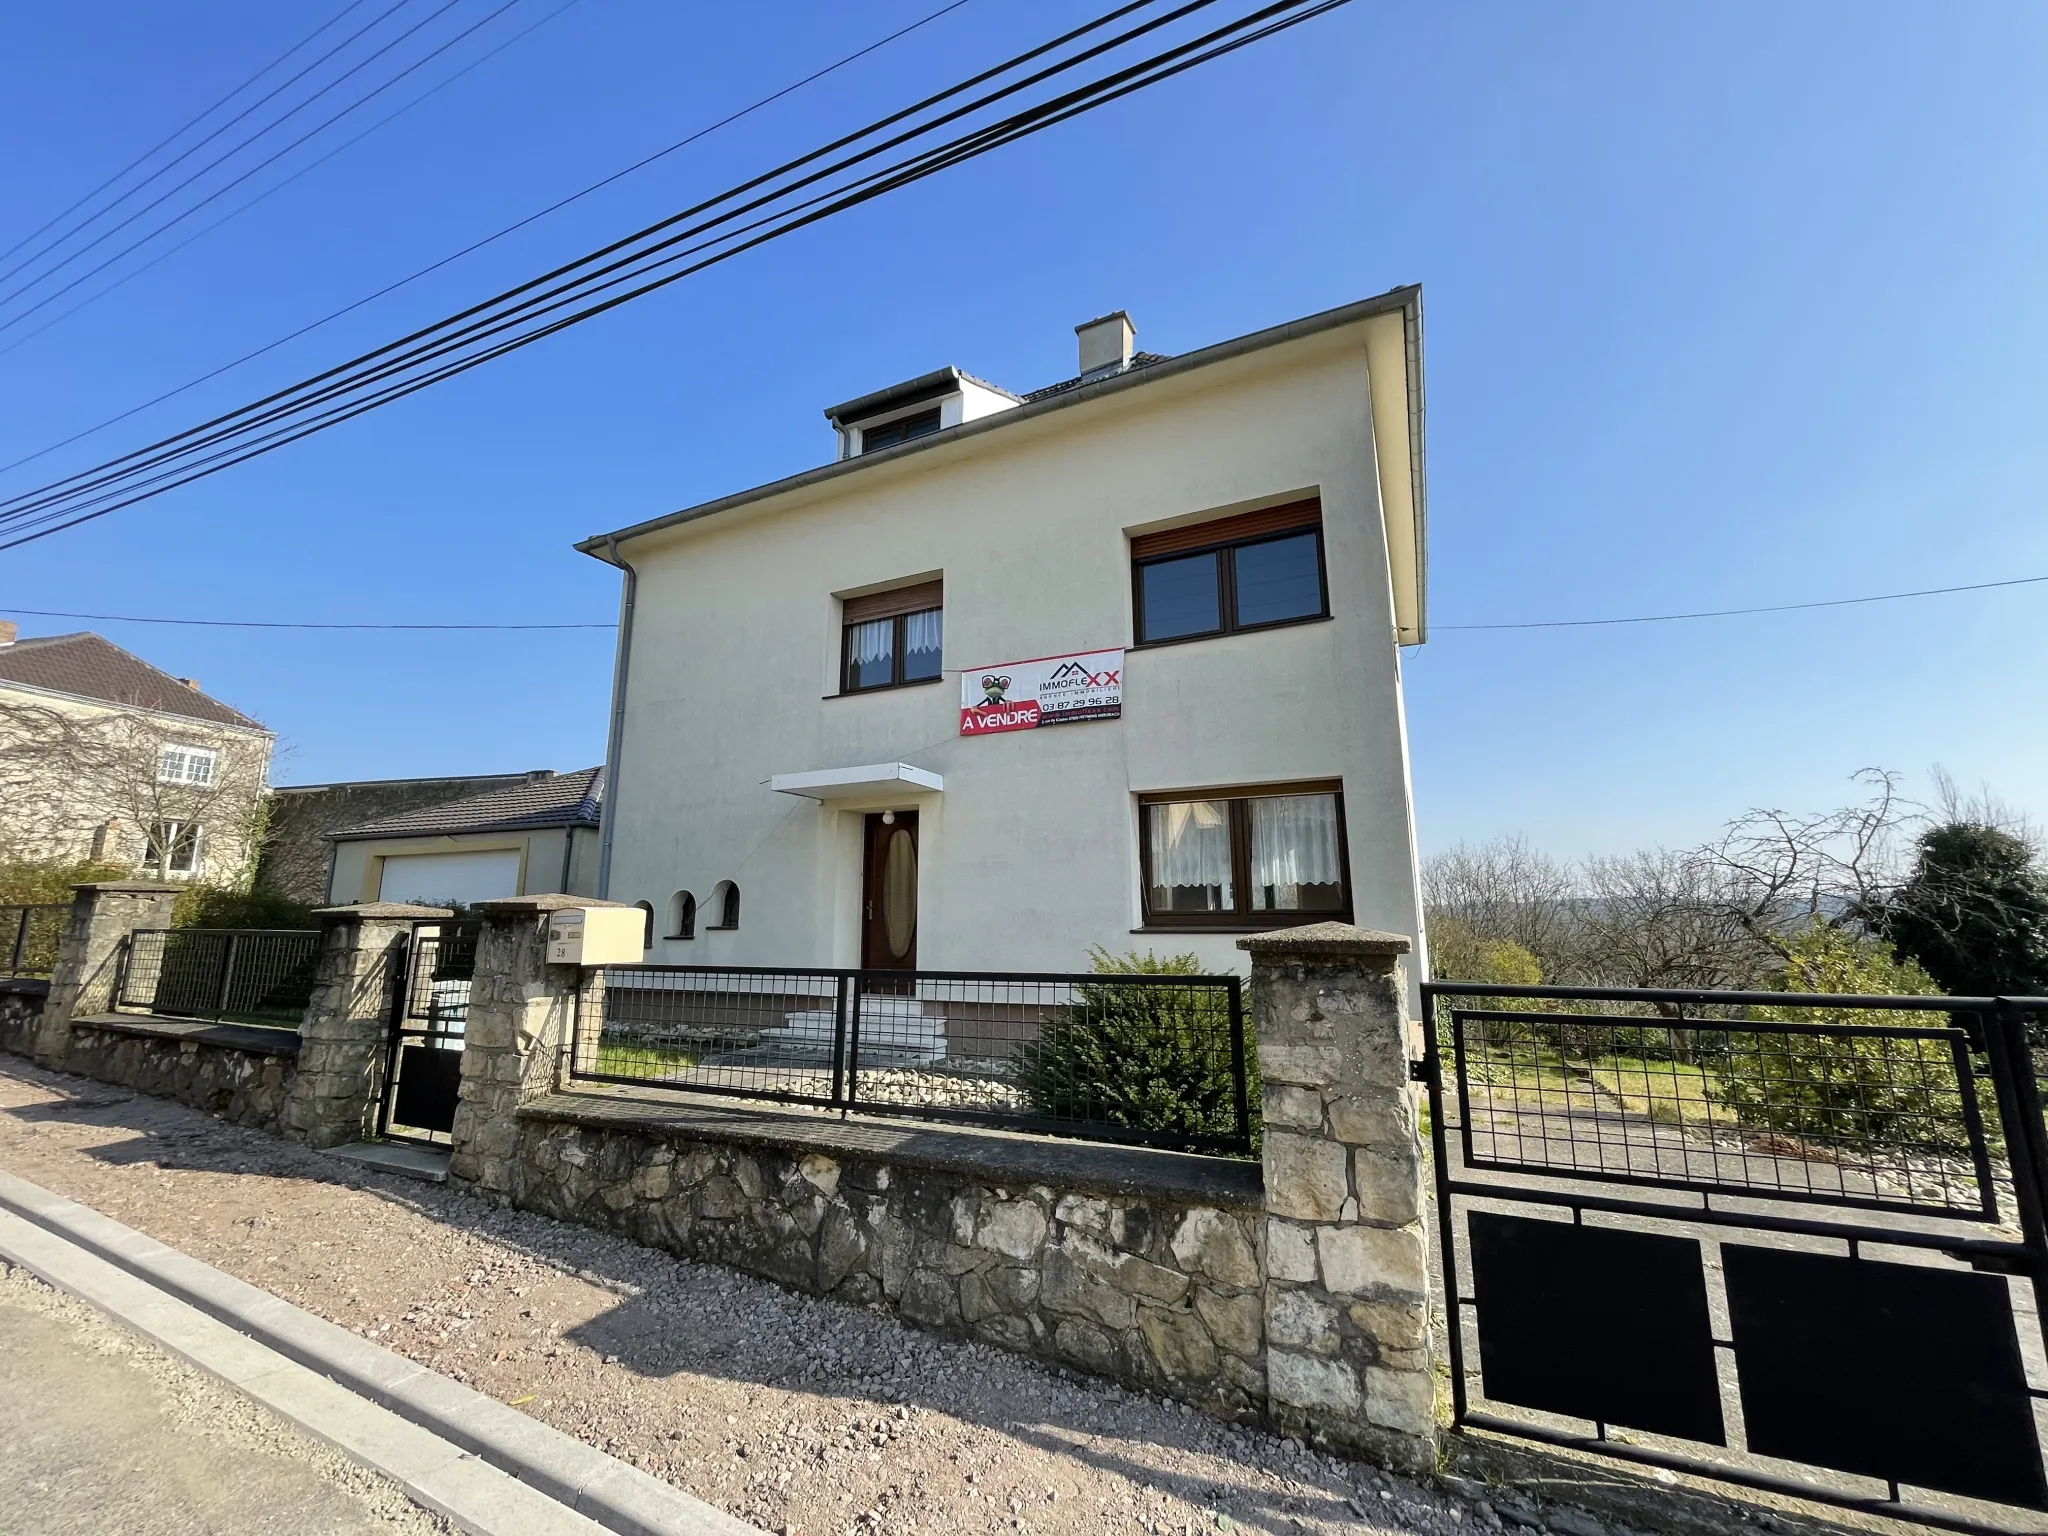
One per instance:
(537, 835)
(297, 856)
(1115, 662)
(105, 757)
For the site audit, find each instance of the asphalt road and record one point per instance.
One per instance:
(105, 1434)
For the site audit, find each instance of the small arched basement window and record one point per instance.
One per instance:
(647, 923)
(725, 905)
(682, 909)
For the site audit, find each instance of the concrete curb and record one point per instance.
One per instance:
(451, 1482)
(618, 1497)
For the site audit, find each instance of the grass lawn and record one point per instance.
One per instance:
(623, 1058)
(1530, 1078)
(1671, 1091)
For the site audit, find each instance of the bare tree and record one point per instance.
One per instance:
(1665, 917)
(142, 789)
(1781, 871)
(1504, 889)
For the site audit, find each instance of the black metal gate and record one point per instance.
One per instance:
(1789, 1241)
(429, 1017)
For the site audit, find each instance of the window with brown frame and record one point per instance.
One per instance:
(1254, 571)
(901, 430)
(892, 638)
(1245, 858)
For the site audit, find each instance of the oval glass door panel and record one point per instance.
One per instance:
(899, 893)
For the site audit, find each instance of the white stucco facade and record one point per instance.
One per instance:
(1029, 854)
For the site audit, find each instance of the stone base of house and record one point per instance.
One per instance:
(1137, 1265)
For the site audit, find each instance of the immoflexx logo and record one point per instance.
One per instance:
(1048, 690)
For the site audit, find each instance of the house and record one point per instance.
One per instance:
(1115, 662)
(536, 835)
(297, 858)
(105, 757)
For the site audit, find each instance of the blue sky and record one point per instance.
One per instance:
(1726, 306)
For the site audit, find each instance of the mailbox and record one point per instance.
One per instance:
(596, 936)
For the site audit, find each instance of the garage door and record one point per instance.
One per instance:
(436, 879)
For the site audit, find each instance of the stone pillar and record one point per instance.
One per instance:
(345, 1038)
(521, 1010)
(1347, 1319)
(89, 956)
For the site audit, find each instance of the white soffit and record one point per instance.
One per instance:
(847, 783)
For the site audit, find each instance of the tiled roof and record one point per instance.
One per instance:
(559, 800)
(89, 667)
(1138, 360)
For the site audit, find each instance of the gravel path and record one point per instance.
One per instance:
(106, 1433)
(802, 1415)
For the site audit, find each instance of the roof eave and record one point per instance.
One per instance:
(373, 834)
(1406, 300)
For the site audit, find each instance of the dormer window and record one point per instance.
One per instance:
(916, 408)
(901, 430)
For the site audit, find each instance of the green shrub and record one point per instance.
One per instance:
(1150, 1058)
(1848, 1089)
(219, 906)
(29, 884)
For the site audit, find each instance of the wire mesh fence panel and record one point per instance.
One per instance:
(1883, 1115)
(1156, 1060)
(438, 978)
(251, 976)
(29, 936)
(755, 1033)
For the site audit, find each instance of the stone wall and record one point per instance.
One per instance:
(21, 1014)
(1150, 1289)
(1346, 1251)
(243, 1084)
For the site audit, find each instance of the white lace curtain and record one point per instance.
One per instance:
(871, 641)
(1191, 846)
(1294, 843)
(920, 632)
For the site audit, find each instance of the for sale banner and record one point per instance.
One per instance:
(1050, 690)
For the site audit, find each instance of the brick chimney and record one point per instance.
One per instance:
(8, 630)
(190, 682)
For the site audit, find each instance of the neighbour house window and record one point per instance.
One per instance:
(683, 915)
(1249, 572)
(174, 847)
(725, 905)
(892, 638)
(901, 430)
(1253, 858)
(187, 765)
(647, 923)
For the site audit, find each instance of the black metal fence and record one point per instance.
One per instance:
(29, 937)
(236, 975)
(1791, 1241)
(1156, 1060)
(423, 1073)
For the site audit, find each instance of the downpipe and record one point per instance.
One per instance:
(615, 737)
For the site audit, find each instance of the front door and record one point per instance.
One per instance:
(888, 935)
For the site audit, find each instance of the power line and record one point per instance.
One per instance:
(1648, 618)
(130, 618)
(269, 191)
(68, 500)
(478, 245)
(171, 137)
(1729, 613)
(193, 149)
(221, 191)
